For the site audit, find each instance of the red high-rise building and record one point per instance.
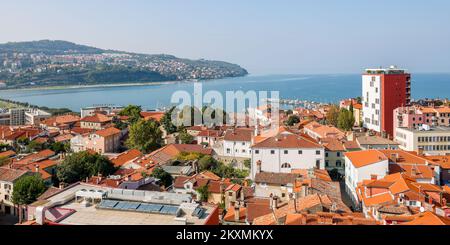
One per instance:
(383, 91)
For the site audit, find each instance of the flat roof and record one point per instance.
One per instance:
(432, 129)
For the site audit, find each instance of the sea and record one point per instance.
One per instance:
(315, 88)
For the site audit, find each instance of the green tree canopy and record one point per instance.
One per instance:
(144, 136)
(346, 120)
(166, 121)
(292, 120)
(332, 115)
(185, 138)
(204, 193)
(207, 162)
(133, 112)
(165, 178)
(27, 189)
(82, 165)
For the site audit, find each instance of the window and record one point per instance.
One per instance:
(230, 194)
(243, 143)
(338, 163)
(338, 154)
(286, 165)
(272, 152)
(327, 163)
(326, 154)
(256, 151)
(317, 152)
(243, 151)
(286, 152)
(228, 150)
(283, 195)
(300, 152)
(318, 163)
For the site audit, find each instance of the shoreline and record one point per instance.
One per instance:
(111, 85)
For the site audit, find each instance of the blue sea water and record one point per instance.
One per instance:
(319, 88)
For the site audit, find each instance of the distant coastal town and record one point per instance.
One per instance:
(376, 159)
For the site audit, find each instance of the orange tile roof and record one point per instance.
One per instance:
(239, 134)
(35, 157)
(442, 161)
(378, 199)
(364, 158)
(428, 218)
(125, 157)
(10, 175)
(155, 115)
(404, 157)
(325, 131)
(7, 154)
(229, 216)
(287, 141)
(108, 132)
(97, 118)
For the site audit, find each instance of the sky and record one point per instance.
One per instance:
(265, 37)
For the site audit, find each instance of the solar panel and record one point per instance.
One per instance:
(169, 209)
(155, 208)
(143, 207)
(133, 206)
(120, 205)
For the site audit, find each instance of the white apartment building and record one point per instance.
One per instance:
(363, 165)
(284, 152)
(426, 139)
(237, 143)
(371, 102)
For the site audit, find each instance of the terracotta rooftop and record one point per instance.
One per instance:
(364, 158)
(276, 178)
(10, 175)
(125, 157)
(107, 132)
(287, 140)
(428, 218)
(97, 118)
(239, 134)
(7, 154)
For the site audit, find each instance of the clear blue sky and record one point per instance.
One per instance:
(266, 37)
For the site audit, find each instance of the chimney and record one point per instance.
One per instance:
(274, 201)
(258, 166)
(394, 157)
(413, 171)
(61, 185)
(36, 167)
(237, 214)
(373, 177)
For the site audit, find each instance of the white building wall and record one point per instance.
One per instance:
(371, 88)
(272, 162)
(355, 175)
(237, 149)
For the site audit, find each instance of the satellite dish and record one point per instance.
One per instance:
(422, 209)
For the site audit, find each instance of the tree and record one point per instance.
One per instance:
(144, 136)
(289, 112)
(59, 147)
(359, 100)
(346, 121)
(247, 163)
(189, 156)
(166, 121)
(207, 163)
(27, 189)
(332, 115)
(204, 193)
(133, 112)
(185, 138)
(79, 166)
(165, 178)
(292, 120)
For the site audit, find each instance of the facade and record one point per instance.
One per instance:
(318, 131)
(363, 165)
(383, 91)
(17, 116)
(427, 140)
(102, 141)
(35, 116)
(7, 179)
(237, 144)
(97, 121)
(284, 152)
(106, 109)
